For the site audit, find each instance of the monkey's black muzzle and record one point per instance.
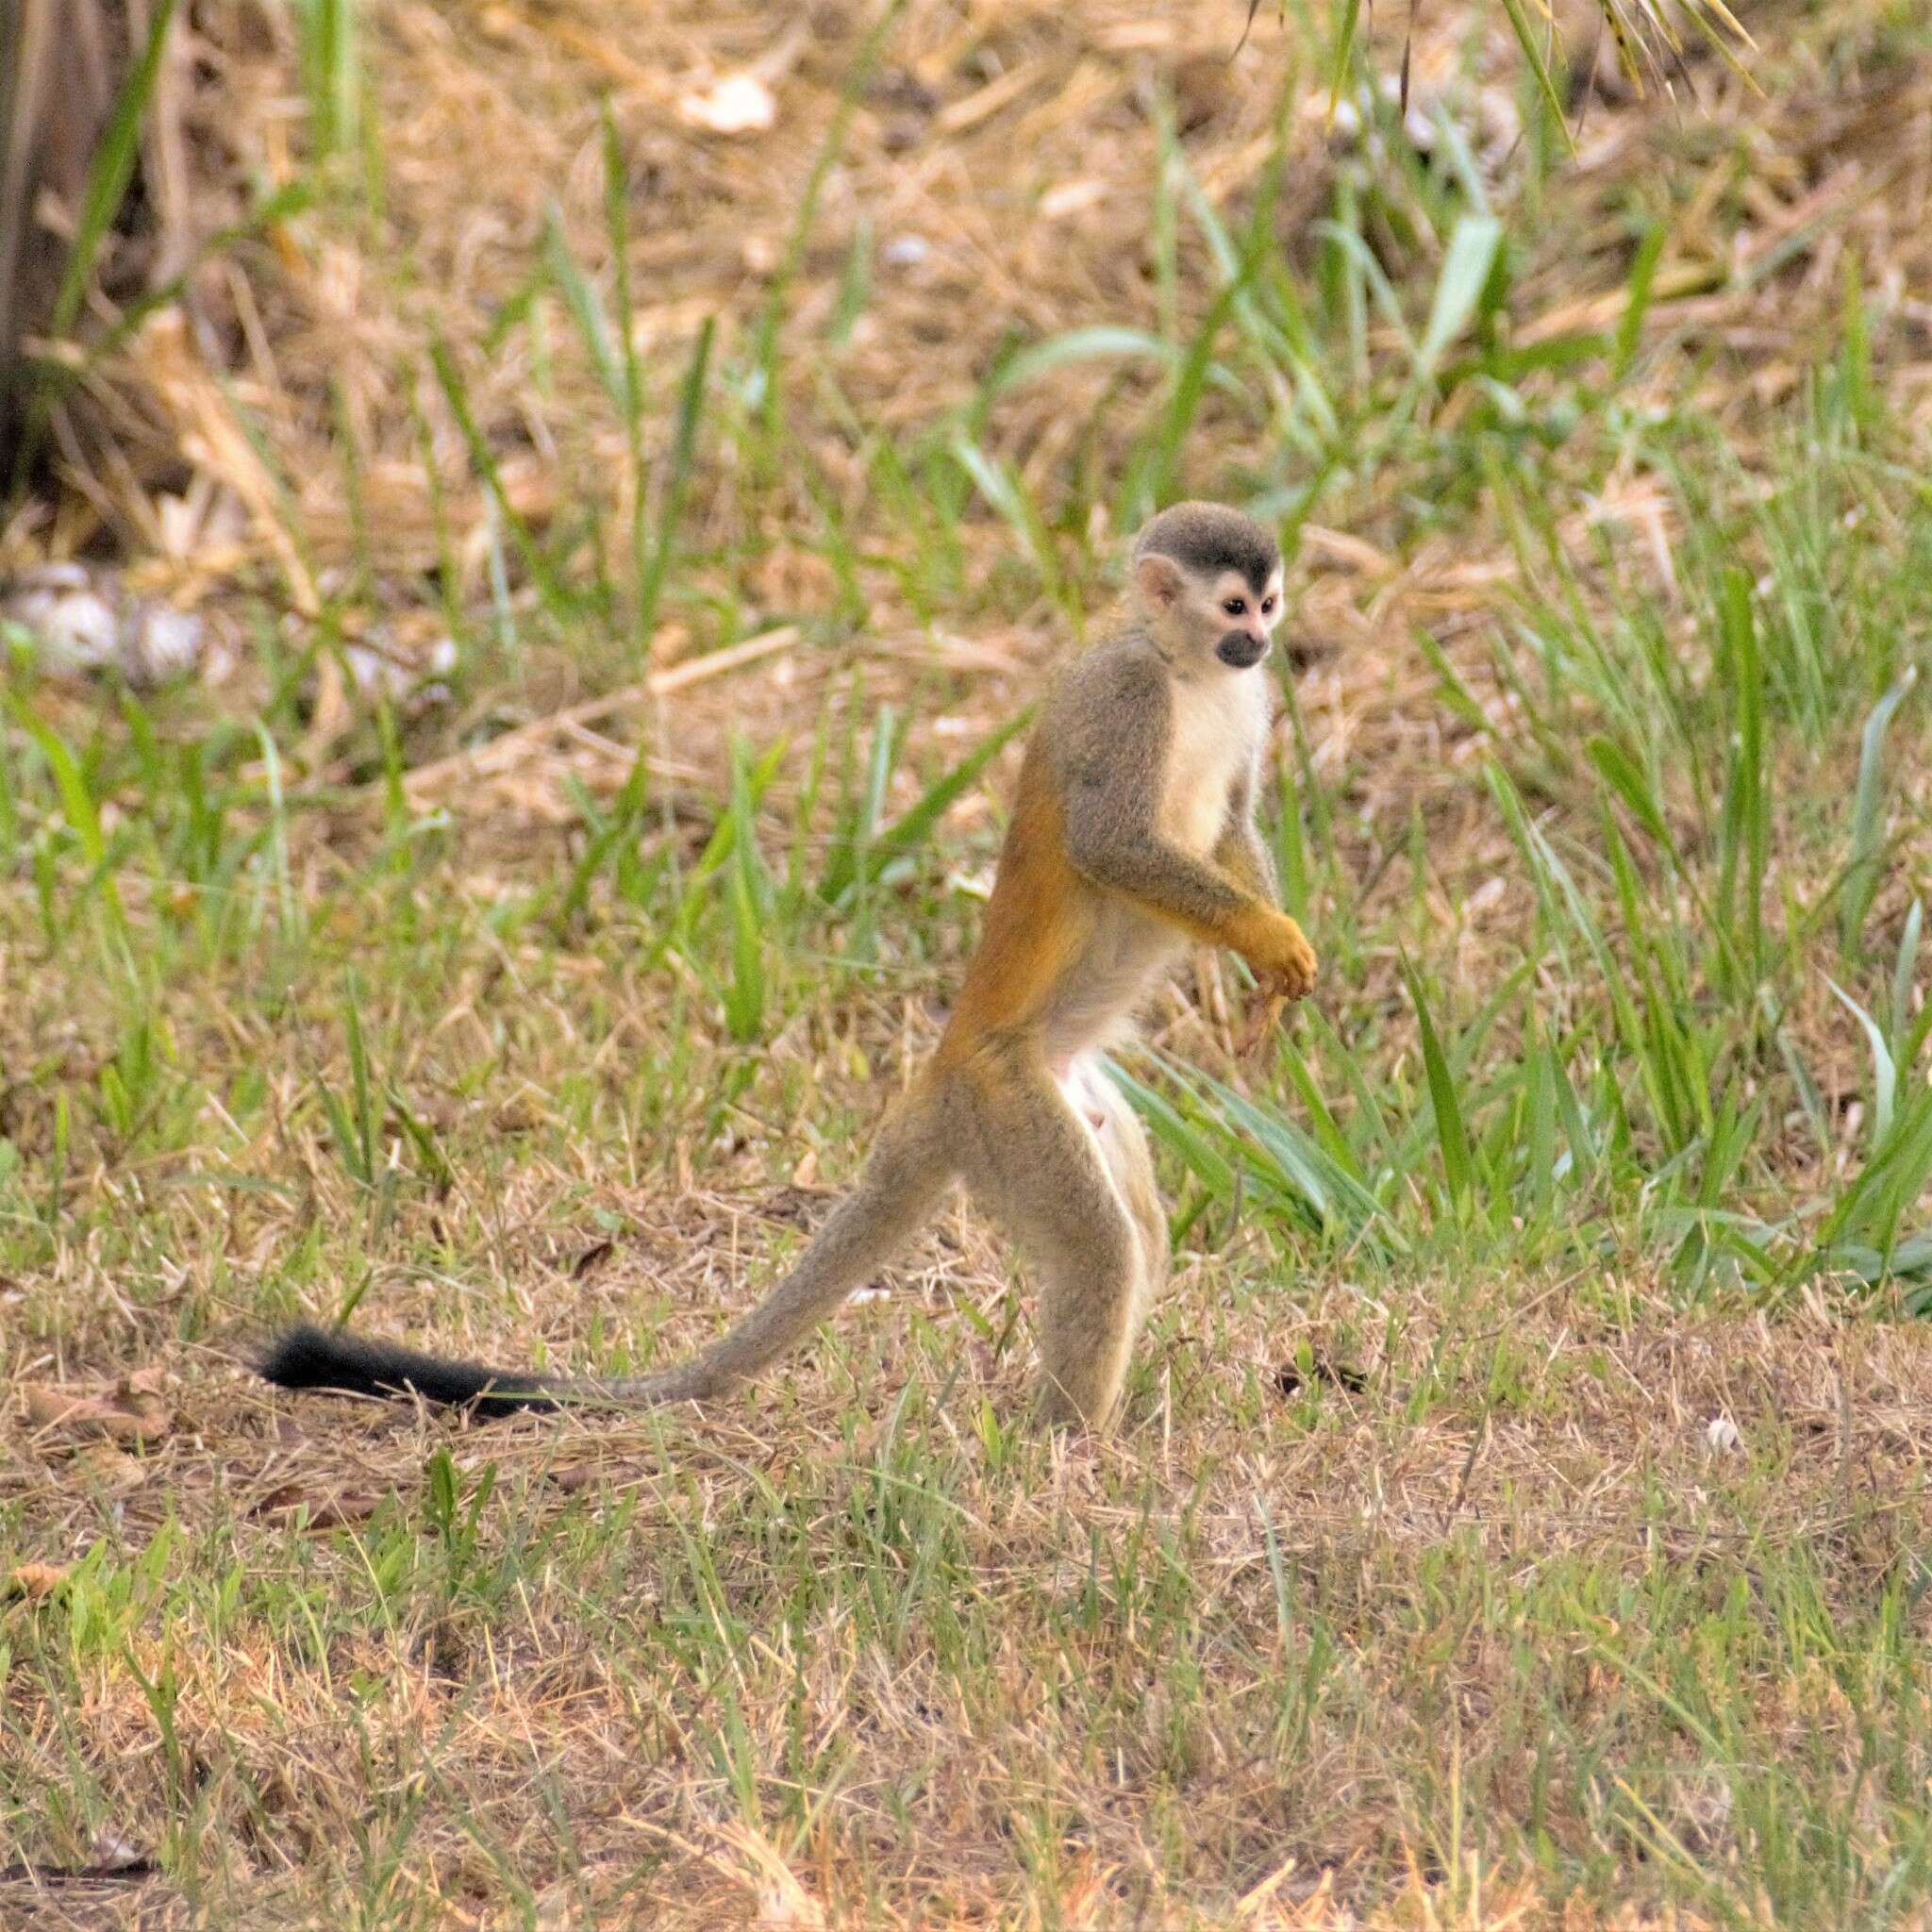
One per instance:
(1241, 649)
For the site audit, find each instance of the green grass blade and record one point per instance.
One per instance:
(1868, 829)
(690, 404)
(1466, 269)
(483, 458)
(912, 830)
(79, 806)
(1642, 282)
(1452, 1134)
(112, 169)
(1101, 343)
(1343, 51)
(585, 308)
(1539, 67)
(1884, 1071)
(361, 1088)
(1905, 973)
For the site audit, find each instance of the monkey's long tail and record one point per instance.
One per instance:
(898, 1193)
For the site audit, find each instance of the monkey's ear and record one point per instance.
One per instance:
(1159, 581)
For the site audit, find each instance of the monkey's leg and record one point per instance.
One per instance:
(1129, 1160)
(1034, 1162)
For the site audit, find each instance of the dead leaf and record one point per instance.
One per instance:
(285, 1502)
(126, 1413)
(139, 1394)
(36, 1580)
(578, 1476)
(57, 1409)
(522, 1114)
(104, 1467)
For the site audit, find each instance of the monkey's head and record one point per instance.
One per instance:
(1206, 582)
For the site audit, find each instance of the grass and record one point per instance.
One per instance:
(1521, 1516)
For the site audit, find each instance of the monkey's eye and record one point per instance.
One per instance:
(1267, 606)
(1235, 607)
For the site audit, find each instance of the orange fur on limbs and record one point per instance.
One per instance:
(1133, 833)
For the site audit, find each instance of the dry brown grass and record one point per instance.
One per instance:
(1007, 152)
(1598, 1461)
(1413, 1595)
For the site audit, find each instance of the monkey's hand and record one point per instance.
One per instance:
(1283, 961)
(1272, 998)
(1263, 1016)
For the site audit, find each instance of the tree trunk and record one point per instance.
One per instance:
(58, 64)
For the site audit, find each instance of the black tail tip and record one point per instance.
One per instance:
(301, 1358)
(309, 1357)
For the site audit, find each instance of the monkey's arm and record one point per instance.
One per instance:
(1115, 741)
(1246, 859)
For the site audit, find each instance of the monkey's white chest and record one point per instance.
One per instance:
(1218, 724)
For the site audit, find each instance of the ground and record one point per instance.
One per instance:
(1519, 1516)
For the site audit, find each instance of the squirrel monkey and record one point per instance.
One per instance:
(1133, 833)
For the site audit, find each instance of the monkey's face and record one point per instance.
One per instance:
(1243, 619)
(1200, 617)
